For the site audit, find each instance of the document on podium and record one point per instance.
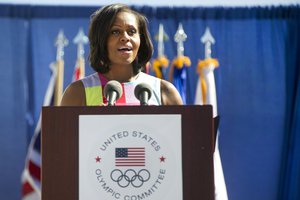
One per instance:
(130, 157)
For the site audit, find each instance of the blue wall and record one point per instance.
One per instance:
(257, 70)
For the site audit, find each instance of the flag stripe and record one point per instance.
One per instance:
(130, 165)
(34, 170)
(26, 188)
(35, 157)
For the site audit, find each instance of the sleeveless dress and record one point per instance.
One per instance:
(95, 83)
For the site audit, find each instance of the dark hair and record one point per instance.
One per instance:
(99, 30)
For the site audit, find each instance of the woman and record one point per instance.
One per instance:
(120, 46)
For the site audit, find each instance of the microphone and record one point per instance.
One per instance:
(143, 92)
(112, 92)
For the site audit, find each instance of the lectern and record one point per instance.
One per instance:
(60, 150)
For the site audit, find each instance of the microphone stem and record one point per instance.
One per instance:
(112, 98)
(144, 98)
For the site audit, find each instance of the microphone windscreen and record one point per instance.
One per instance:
(113, 86)
(141, 88)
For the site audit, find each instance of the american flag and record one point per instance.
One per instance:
(31, 177)
(130, 157)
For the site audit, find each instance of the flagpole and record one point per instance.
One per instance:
(180, 37)
(206, 72)
(60, 43)
(161, 62)
(178, 73)
(80, 40)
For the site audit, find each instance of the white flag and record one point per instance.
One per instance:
(206, 94)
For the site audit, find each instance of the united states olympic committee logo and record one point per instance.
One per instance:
(129, 165)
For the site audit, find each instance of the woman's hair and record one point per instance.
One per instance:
(99, 30)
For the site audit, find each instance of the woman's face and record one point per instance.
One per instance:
(124, 40)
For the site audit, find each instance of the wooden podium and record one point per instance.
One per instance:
(60, 148)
